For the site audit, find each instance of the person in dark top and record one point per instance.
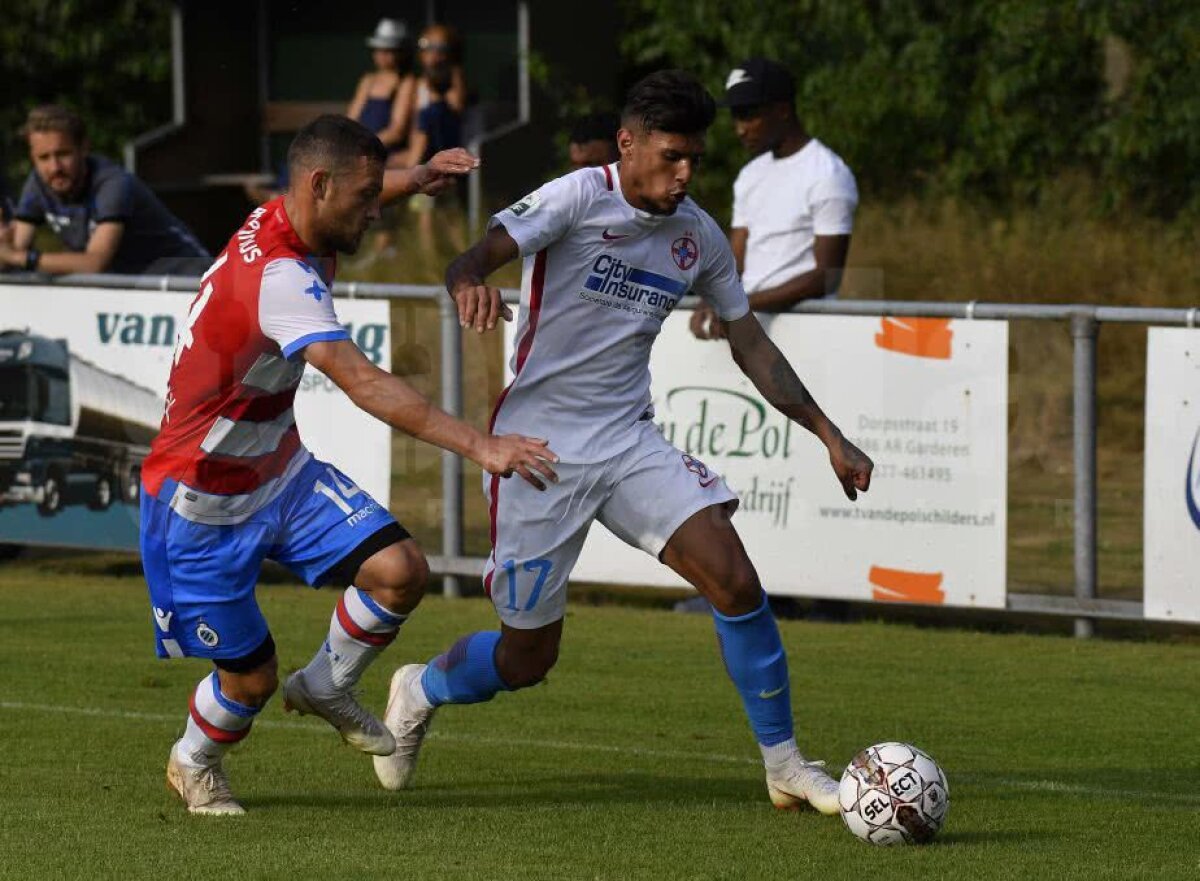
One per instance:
(439, 124)
(107, 219)
(593, 140)
(384, 98)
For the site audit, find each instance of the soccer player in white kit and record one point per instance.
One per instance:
(608, 253)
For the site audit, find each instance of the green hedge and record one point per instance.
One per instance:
(110, 60)
(988, 100)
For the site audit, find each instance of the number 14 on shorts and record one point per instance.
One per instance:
(537, 571)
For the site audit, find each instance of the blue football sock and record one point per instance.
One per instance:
(757, 664)
(466, 673)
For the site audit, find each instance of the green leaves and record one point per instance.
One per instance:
(110, 60)
(988, 100)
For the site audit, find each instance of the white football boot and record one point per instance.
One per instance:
(408, 721)
(356, 725)
(800, 781)
(205, 790)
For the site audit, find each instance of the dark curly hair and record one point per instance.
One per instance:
(670, 101)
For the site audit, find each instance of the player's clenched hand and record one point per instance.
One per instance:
(479, 306)
(704, 323)
(439, 172)
(527, 456)
(852, 466)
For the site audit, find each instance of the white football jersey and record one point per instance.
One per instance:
(599, 278)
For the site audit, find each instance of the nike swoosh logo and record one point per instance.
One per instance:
(767, 695)
(609, 238)
(705, 484)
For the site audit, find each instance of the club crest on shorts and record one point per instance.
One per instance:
(705, 477)
(207, 635)
(684, 252)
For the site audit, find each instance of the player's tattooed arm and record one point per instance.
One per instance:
(479, 304)
(765, 366)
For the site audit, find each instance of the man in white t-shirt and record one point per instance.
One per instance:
(793, 203)
(608, 254)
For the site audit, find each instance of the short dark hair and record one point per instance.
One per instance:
(55, 118)
(335, 141)
(595, 127)
(671, 101)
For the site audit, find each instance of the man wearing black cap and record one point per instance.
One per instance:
(793, 203)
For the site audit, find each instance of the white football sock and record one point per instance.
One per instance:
(215, 723)
(359, 630)
(777, 756)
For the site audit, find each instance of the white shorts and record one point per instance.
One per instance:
(642, 495)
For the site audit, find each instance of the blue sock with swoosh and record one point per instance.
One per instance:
(466, 673)
(755, 661)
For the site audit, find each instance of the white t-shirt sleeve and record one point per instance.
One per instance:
(833, 200)
(544, 216)
(295, 307)
(741, 217)
(718, 282)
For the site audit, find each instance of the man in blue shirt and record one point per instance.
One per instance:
(107, 219)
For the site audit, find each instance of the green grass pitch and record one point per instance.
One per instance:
(1065, 759)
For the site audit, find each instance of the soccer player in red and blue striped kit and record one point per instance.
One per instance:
(229, 482)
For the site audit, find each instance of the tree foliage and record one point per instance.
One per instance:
(989, 100)
(110, 60)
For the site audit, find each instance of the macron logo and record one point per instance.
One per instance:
(163, 619)
(736, 78)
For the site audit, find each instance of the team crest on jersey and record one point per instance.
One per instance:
(207, 635)
(684, 252)
(526, 205)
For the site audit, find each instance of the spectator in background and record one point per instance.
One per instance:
(383, 101)
(6, 205)
(793, 203)
(108, 220)
(439, 125)
(441, 97)
(440, 48)
(593, 140)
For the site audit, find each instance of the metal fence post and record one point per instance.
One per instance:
(1084, 330)
(452, 475)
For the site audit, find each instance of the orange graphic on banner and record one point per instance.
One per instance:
(922, 337)
(899, 586)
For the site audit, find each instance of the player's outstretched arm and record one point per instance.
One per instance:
(479, 304)
(763, 363)
(436, 175)
(392, 400)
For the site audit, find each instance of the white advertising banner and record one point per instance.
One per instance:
(927, 399)
(1172, 489)
(119, 346)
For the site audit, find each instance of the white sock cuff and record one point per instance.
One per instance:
(364, 620)
(220, 718)
(779, 753)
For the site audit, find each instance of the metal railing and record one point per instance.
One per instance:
(1084, 606)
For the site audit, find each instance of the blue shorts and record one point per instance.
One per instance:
(202, 577)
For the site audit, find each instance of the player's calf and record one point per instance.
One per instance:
(216, 721)
(524, 657)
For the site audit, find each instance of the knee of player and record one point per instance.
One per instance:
(254, 687)
(398, 582)
(529, 667)
(739, 591)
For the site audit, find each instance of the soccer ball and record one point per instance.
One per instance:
(893, 793)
